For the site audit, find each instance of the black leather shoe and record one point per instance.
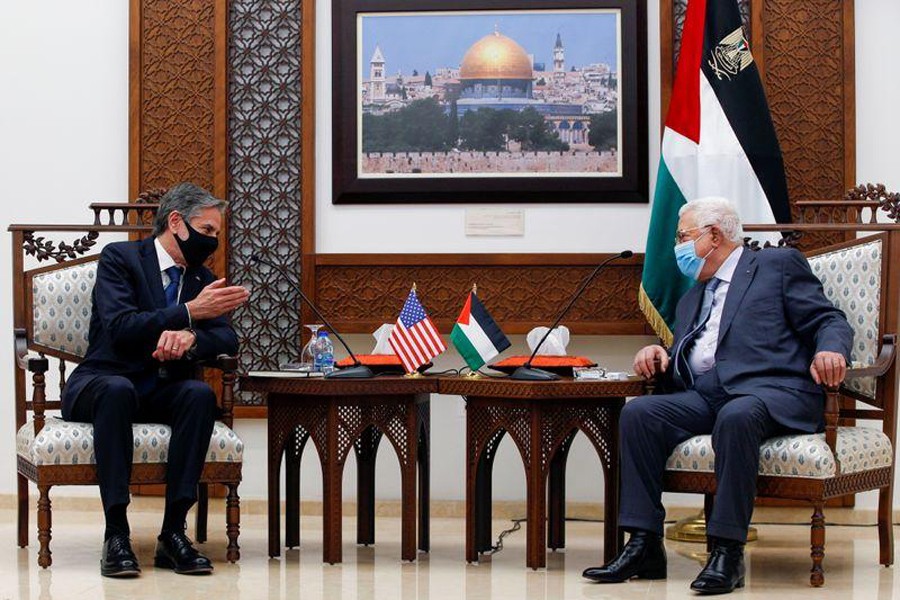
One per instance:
(175, 551)
(118, 559)
(644, 557)
(724, 570)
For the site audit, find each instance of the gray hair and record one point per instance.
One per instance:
(186, 199)
(714, 210)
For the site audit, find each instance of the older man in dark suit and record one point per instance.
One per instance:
(754, 340)
(156, 309)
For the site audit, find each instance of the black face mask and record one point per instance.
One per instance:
(197, 247)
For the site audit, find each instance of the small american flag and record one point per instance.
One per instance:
(414, 338)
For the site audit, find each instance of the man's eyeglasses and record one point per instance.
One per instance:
(682, 234)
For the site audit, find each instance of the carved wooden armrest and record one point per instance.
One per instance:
(229, 366)
(832, 414)
(38, 366)
(882, 363)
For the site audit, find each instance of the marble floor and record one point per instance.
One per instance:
(778, 565)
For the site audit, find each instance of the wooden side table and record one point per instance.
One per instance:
(340, 416)
(541, 418)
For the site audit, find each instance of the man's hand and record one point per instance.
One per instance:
(645, 361)
(173, 344)
(217, 299)
(829, 368)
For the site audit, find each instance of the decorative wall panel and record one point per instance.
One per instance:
(173, 94)
(264, 157)
(526, 291)
(805, 82)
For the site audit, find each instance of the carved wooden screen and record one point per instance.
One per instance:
(264, 167)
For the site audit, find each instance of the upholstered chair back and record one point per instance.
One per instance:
(61, 315)
(852, 280)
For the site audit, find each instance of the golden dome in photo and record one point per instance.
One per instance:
(495, 56)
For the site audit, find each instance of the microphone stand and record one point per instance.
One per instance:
(358, 370)
(526, 372)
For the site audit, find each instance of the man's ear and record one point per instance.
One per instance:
(174, 219)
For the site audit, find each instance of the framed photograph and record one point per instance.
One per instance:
(489, 101)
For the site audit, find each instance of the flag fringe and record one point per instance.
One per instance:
(654, 318)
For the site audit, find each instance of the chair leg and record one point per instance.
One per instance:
(44, 523)
(233, 522)
(202, 512)
(885, 528)
(817, 539)
(709, 501)
(23, 510)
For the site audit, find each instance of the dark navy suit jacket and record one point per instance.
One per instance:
(130, 313)
(775, 319)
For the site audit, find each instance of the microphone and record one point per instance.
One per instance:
(526, 372)
(358, 370)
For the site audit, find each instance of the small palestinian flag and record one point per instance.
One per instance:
(476, 335)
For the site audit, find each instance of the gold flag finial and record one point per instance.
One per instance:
(414, 286)
(475, 288)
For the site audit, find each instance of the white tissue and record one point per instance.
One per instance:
(381, 335)
(554, 345)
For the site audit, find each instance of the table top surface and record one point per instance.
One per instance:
(489, 387)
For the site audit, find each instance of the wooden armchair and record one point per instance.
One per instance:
(861, 277)
(52, 310)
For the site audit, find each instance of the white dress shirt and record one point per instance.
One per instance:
(703, 355)
(166, 261)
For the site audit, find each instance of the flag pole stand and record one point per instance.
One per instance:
(473, 375)
(415, 375)
(693, 529)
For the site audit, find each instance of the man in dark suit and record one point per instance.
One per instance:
(156, 309)
(753, 342)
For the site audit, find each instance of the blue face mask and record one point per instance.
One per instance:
(688, 262)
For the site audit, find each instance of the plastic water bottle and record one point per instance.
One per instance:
(324, 353)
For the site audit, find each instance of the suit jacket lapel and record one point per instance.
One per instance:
(150, 264)
(740, 282)
(192, 285)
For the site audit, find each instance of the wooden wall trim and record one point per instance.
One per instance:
(666, 50)
(308, 141)
(849, 48)
(135, 106)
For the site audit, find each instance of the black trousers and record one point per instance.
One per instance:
(652, 426)
(112, 405)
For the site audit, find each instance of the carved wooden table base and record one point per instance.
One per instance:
(542, 418)
(340, 416)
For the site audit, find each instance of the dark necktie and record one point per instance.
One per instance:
(171, 290)
(682, 369)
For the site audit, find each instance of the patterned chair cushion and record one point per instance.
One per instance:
(62, 307)
(807, 455)
(64, 443)
(852, 281)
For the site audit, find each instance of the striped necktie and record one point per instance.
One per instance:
(682, 369)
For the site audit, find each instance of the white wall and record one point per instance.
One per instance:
(63, 143)
(63, 136)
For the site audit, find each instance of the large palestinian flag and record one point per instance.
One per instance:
(718, 141)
